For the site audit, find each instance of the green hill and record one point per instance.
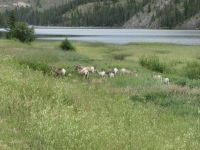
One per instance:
(155, 14)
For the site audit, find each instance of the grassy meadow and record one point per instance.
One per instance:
(41, 111)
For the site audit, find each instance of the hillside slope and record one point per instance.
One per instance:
(154, 14)
(149, 19)
(36, 4)
(42, 112)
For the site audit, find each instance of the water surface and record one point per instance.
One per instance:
(118, 36)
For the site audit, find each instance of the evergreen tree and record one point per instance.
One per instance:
(11, 20)
(1, 20)
(186, 8)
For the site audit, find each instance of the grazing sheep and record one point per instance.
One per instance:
(135, 72)
(60, 71)
(113, 70)
(110, 71)
(165, 81)
(157, 76)
(125, 71)
(90, 69)
(101, 74)
(111, 75)
(82, 71)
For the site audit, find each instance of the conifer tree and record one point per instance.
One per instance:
(11, 20)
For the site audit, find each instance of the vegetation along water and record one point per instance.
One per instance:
(42, 111)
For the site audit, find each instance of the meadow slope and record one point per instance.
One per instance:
(41, 111)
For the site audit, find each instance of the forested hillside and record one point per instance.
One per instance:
(110, 13)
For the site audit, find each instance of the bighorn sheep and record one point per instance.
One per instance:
(135, 72)
(113, 70)
(157, 76)
(111, 75)
(90, 69)
(82, 71)
(101, 74)
(60, 71)
(165, 81)
(124, 71)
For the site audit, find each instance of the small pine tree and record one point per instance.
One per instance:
(67, 46)
(1, 20)
(11, 21)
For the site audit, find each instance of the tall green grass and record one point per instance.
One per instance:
(153, 63)
(40, 111)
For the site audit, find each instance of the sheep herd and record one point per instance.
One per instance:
(159, 77)
(85, 71)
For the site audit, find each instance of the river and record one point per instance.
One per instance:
(117, 36)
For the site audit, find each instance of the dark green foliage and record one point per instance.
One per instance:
(172, 15)
(179, 105)
(120, 56)
(154, 95)
(118, 14)
(36, 65)
(185, 81)
(22, 32)
(105, 13)
(149, 7)
(153, 63)
(10, 24)
(194, 84)
(2, 20)
(137, 98)
(192, 70)
(11, 21)
(181, 81)
(67, 46)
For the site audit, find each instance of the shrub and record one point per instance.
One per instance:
(119, 56)
(153, 63)
(22, 32)
(36, 65)
(137, 98)
(178, 105)
(179, 81)
(155, 95)
(192, 70)
(67, 46)
(194, 83)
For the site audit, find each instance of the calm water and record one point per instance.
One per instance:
(118, 36)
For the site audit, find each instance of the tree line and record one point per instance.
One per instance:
(176, 12)
(103, 13)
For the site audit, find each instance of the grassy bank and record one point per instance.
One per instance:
(40, 111)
